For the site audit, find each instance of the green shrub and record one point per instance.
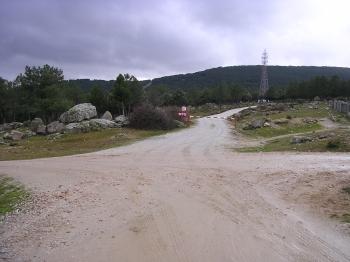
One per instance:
(346, 190)
(333, 144)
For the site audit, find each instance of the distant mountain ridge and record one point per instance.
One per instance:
(245, 76)
(249, 76)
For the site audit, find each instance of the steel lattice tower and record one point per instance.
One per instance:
(264, 83)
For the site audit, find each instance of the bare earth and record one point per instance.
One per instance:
(184, 196)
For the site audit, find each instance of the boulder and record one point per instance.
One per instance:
(122, 120)
(107, 115)
(41, 130)
(102, 123)
(15, 125)
(82, 127)
(10, 126)
(257, 123)
(300, 139)
(236, 116)
(79, 113)
(55, 127)
(27, 123)
(14, 135)
(72, 128)
(267, 124)
(36, 122)
(28, 133)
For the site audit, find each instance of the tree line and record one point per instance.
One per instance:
(321, 86)
(43, 92)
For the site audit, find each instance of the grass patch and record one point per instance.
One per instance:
(294, 115)
(317, 145)
(302, 111)
(268, 132)
(70, 144)
(333, 144)
(346, 190)
(11, 194)
(345, 218)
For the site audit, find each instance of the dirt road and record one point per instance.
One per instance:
(184, 196)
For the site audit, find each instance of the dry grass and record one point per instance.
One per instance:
(70, 144)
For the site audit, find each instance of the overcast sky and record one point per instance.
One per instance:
(150, 38)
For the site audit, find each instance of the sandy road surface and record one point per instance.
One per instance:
(184, 196)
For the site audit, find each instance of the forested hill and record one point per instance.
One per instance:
(87, 84)
(244, 76)
(249, 76)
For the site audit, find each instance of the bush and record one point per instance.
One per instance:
(172, 112)
(149, 117)
(333, 144)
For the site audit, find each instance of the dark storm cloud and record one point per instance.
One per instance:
(98, 39)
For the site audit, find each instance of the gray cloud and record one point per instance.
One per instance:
(98, 39)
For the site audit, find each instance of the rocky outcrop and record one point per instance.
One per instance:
(27, 123)
(79, 113)
(122, 120)
(41, 130)
(72, 128)
(256, 123)
(35, 123)
(102, 123)
(55, 127)
(14, 135)
(107, 115)
(10, 126)
(82, 127)
(91, 125)
(28, 133)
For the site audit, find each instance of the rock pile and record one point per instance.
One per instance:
(78, 119)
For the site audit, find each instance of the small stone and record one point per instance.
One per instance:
(300, 139)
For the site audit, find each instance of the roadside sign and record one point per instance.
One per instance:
(184, 114)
